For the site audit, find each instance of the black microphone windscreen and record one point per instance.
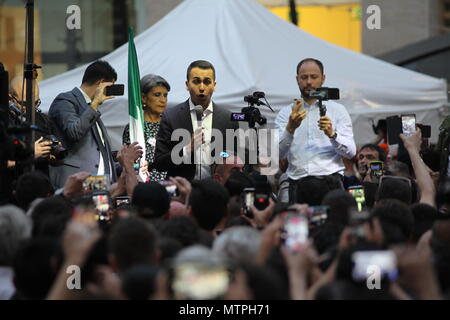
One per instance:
(199, 113)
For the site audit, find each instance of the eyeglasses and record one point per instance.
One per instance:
(37, 103)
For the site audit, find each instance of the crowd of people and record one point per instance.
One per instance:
(337, 222)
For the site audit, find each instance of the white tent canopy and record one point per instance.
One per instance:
(253, 50)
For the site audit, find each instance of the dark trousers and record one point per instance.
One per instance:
(333, 181)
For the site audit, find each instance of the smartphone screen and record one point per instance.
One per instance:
(408, 124)
(368, 262)
(376, 168)
(171, 187)
(248, 200)
(96, 183)
(296, 231)
(102, 206)
(136, 167)
(122, 201)
(318, 215)
(358, 193)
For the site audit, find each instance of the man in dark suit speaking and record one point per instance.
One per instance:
(199, 116)
(76, 115)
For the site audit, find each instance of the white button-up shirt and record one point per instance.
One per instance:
(204, 149)
(309, 150)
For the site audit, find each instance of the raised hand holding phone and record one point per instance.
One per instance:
(408, 124)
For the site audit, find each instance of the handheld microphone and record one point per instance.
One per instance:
(199, 113)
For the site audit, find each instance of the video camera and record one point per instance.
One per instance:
(251, 114)
(13, 144)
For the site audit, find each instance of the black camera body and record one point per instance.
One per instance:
(251, 114)
(57, 150)
(255, 97)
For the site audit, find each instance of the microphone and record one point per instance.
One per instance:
(199, 113)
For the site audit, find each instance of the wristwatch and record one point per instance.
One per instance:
(334, 135)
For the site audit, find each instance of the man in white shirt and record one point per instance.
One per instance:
(201, 84)
(313, 145)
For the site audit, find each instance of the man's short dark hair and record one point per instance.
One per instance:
(370, 146)
(50, 217)
(318, 62)
(133, 241)
(30, 186)
(396, 220)
(424, 217)
(236, 183)
(34, 273)
(208, 200)
(151, 200)
(99, 70)
(181, 228)
(393, 188)
(397, 168)
(202, 64)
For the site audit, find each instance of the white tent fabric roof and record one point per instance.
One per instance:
(253, 50)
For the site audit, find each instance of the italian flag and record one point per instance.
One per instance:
(134, 99)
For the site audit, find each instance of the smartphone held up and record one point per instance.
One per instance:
(295, 232)
(115, 90)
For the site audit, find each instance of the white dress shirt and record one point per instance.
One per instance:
(309, 150)
(101, 165)
(203, 153)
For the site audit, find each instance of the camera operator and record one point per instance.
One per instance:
(42, 145)
(313, 144)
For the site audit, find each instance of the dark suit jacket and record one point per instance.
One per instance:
(180, 117)
(76, 120)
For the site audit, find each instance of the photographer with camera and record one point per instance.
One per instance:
(76, 115)
(47, 148)
(314, 143)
